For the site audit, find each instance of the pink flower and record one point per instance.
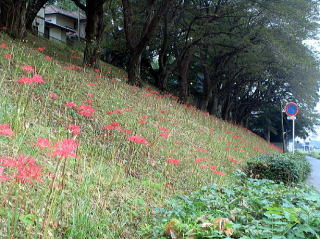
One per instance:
(3, 45)
(71, 104)
(41, 49)
(177, 143)
(137, 139)
(198, 160)
(218, 172)
(74, 129)
(93, 84)
(164, 135)
(37, 79)
(5, 130)
(28, 170)
(173, 161)
(53, 96)
(86, 110)
(7, 56)
(164, 129)
(142, 122)
(43, 143)
(27, 68)
(89, 95)
(65, 148)
(202, 150)
(48, 58)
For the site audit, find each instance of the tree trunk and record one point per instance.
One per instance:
(134, 69)
(207, 89)
(214, 105)
(33, 10)
(13, 15)
(183, 67)
(94, 31)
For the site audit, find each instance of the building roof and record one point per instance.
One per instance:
(51, 9)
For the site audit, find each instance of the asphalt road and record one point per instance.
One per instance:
(314, 178)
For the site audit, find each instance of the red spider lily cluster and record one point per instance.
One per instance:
(5, 130)
(26, 170)
(74, 129)
(137, 139)
(36, 79)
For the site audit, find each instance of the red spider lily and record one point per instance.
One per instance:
(236, 136)
(112, 126)
(164, 135)
(147, 94)
(3, 178)
(71, 104)
(53, 96)
(177, 143)
(4, 28)
(43, 143)
(86, 110)
(27, 169)
(3, 45)
(27, 68)
(162, 120)
(93, 84)
(142, 122)
(137, 139)
(232, 160)
(88, 101)
(211, 130)
(5, 130)
(126, 131)
(198, 160)
(37, 79)
(218, 172)
(7, 56)
(65, 148)
(98, 76)
(173, 161)
(164, 129)
(162, 111)
(27, 172)
(144, 117)
(89, 95)
(48, 58)
(74, 129)
(41, 49)
(202, 150)
(97, 70)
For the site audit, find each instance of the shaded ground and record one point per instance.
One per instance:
(314, 178)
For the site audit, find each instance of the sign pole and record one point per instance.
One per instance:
(293, 135)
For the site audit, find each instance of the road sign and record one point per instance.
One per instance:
(291, 109)
(289, 117)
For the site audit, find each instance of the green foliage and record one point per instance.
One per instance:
(287, 168)
(250, 208)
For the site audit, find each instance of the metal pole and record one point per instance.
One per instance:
(293, 134)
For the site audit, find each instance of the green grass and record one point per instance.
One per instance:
(111, 187)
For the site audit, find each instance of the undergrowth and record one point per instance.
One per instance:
(85, 155)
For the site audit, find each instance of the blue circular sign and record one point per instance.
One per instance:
(291, 109)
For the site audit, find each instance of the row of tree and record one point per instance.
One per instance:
(237, 59)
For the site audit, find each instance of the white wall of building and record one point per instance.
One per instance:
(51, 18)
(66, 21)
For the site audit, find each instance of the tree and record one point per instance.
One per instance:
(138, 37)
(94, 10)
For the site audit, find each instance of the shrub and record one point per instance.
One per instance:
(287, 168)
(249, 208)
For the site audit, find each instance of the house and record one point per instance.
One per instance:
(58, 24)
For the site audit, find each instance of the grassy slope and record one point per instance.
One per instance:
(110, 188)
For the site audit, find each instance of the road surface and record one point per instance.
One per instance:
(314, 178)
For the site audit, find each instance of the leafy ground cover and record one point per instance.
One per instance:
(85, 155)
(249, 208)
